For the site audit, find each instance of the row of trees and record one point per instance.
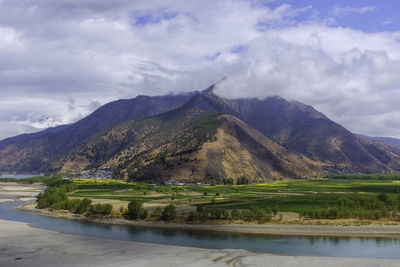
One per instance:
(252, 214)
(136, 211)
(55, 193)
(48, 180)
(364, 176)
(55, 197)
(239, 181)
(358, 207)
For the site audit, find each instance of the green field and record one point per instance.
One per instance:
(289, 196)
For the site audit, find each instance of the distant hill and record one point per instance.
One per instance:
(22, 137)
(201, 136)
(394, 142)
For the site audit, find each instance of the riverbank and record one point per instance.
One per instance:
(370, 230)
(23, 192)
(23, 245)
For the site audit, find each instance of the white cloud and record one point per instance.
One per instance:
(354, 82)
(345, 11)
(12, 129)
(62, 59)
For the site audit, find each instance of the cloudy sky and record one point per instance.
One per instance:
(60, 60)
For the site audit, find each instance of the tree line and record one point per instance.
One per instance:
(358, 207)
(55, 197)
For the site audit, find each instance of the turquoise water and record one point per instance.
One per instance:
(289, 245)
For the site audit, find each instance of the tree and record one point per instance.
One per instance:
(192, 216)
(199, 209)
(169, 213)
(122, 210)
(242, 180)
(101, 208)
(84, 205)
(157, 212)
(136, 210)
(275, 210)
(383, 197)
(235, 214)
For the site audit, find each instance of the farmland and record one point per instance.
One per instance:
(294, 196)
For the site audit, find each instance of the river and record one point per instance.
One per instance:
(18, 176)
(286, 245)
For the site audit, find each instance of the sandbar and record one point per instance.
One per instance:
(23, 245)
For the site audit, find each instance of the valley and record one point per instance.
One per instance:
(322, 201)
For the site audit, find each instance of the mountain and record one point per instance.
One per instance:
(154, 137)
(302, 129)
(22, 137)
(394, 142)
(35, 152)
(189, 144)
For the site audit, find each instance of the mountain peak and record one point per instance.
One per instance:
(209, 90)
(297, 127)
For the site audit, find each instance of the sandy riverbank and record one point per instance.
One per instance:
(371, 230)
(23, 192)
(2, 200)
(23, 245)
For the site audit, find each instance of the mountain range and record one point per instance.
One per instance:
(200, 136)
(394, 142)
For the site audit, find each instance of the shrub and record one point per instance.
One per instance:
(199, 209)
(235, 214)
(122, 210)
(169, 213)
(242, 180)
(50, 196)
(157, 212)
(382, 197)
(192, 216)
(98, 208)
(83, 205)
(275, 210)
(136, 210)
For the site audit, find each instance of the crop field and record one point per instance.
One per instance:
(288, 195)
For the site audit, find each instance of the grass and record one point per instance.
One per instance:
(288, 195)
(208, 120)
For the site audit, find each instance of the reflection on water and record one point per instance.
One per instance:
(292, 245)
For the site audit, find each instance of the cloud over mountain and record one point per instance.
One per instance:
(62, 59)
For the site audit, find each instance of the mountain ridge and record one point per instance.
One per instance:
(394, 142)
(304, 133)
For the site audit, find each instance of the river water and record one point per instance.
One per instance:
(287, 245)
(18, 176)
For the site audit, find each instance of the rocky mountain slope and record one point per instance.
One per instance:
(35, 152)
(188, 144)
(201, 135)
